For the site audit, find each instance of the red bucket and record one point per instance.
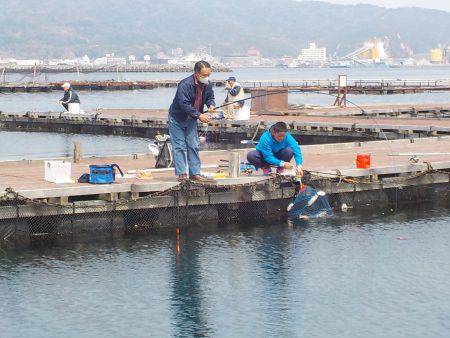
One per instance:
(363, 161)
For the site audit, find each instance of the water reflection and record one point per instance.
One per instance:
(348, 276)
(188, 314)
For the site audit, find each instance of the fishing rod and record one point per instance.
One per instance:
(320, 93)
(283, 91)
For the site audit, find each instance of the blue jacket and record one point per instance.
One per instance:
(268, 146)
(70, 96)
(183, 103)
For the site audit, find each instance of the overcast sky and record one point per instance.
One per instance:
(436, 4)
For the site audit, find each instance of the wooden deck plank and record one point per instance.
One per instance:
(27, 177)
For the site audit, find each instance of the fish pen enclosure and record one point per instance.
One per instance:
(140, 211)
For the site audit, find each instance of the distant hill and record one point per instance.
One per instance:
(71, 28)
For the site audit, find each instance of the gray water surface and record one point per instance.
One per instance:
(249, 74)
(19, 145)
(351, 276)
(366, 275)
(161, 98)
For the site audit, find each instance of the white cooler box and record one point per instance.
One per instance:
(58, 171)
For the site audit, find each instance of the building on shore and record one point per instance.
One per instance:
(436, 56)
(447, 55)
(147, 59)
(131, 59)
(177, 52)
(313, 54)
(237, 61)
(110, 59)
(25, 62)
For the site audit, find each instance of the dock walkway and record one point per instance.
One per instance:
(355, 86)
(30, 205)
(328, 124)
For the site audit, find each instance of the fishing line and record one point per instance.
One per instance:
(364, 113)
(278, 92)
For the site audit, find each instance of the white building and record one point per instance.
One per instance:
(177, 52)
(101, 61)
(30, 62)
(116, 61)
(110, 59)
(313, 54)
(5, 61)
(241, 61)
(74, 62)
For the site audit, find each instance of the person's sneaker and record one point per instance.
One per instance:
(183, 177)
(266, 171)
(200, 178)
(280, 170)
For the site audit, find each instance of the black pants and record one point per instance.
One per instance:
(66, 106)
(256, 158)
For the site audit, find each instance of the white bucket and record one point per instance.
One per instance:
(58, 171)
(74, 108)
(242, 113)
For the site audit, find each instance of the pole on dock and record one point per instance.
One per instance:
(34, 73)
(77, 152)
(233, 166)
(341, 99)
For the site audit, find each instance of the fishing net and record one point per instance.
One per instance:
(24, 220)
(309, 203)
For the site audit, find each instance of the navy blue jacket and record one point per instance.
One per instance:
(183, 103)
(70, 96)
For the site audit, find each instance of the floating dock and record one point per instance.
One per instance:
(378, 87)
(402, 171)
(312, 126)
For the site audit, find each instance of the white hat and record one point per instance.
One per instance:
(66, 85)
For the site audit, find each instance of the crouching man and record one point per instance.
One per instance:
(70, 100)
(276, 148)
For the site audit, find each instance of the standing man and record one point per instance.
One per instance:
(235, 93)
(70, 99)
(275, 148)
(193, 93)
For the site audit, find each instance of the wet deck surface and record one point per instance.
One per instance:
(29, 175)
(310, 110)
(332, 119)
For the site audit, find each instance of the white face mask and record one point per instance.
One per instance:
(204, 80)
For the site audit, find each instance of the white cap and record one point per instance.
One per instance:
(66, 85)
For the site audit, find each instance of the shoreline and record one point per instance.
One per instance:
(142, 68)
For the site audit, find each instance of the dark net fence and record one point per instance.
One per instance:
(23, 220)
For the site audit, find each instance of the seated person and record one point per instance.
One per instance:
(276, 148)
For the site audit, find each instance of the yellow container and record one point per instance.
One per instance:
(220, 175)
(436, 56)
